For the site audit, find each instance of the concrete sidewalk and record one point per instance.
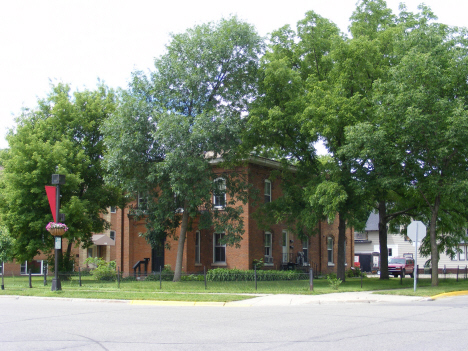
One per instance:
(334, 298)
(274, 300)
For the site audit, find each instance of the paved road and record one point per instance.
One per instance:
(339, 324)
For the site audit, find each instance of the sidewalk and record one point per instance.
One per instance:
(334, 298)
(274, 300)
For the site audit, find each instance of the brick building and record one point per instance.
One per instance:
(277, 246)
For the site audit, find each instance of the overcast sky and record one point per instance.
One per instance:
(77, 42)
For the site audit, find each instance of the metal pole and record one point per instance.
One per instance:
(204, 274)
(56, 284)
(416, 257)
(44, 270)
(255, 276)
(311, 279)
(3, 273)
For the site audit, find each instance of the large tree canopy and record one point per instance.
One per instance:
(423, 109)
(172, 125)
(61, 136)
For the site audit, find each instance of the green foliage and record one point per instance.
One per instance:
(258, 263)
(62, 135)
(7, 244)
(170, 128)
(223, 274)
(353, 272)
(103, 270)
(333, 281)
(167, 274)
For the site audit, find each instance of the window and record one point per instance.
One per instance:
(305, 250)
(113, 209)
(390, 252)
(37, 267)
(143, 201)
(197, 247)
(112, 234)
(330, 249)
(219, 249)
(219, 193)
(268, 253)
(462, 253)
(267, 191)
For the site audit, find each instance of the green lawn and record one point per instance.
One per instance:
(217, 291)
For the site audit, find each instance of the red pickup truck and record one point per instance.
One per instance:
(401, 266)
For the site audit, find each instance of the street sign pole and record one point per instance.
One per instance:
(416, 231)
(416, 258)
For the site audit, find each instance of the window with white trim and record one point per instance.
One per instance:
(219, 193)
(113, 209)
(197, 247)
(461, 255)
(37, 267)
(267, 191)
(330, 249)
(219, 249)
(305, 250)
(268, 252)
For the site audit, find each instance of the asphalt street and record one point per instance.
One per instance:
(284, 322)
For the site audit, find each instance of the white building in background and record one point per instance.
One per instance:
(367, 249)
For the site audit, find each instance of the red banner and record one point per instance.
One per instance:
(51, 195)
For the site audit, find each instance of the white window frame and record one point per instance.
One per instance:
(330, 253)
(305, 250)
(267, 191)
(25, 270)
(113, 209)
(462, 254)
(268, 249)
(221, 195)
(197, 247)
(218, 246)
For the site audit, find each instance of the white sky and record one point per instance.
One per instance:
(79, 41)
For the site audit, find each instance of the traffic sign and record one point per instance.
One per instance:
(416, 231)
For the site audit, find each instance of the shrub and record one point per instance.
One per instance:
(166, 274)
(259, 263)
(223, 274)
(333, 281)
(104, 270)
(353, 272)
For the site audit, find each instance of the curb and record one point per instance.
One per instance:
(453, 293)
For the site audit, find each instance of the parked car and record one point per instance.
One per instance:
(401, 266)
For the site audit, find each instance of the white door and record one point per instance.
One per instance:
(285, 247)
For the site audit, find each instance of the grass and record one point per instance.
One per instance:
(218, 291)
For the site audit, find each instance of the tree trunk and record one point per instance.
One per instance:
(383, 240)
(433, 238)
(340, 270)
(180, 245)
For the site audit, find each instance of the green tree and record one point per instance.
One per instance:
(423, 107)
(60, 136)
(172, 127)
